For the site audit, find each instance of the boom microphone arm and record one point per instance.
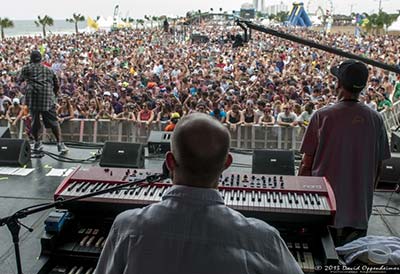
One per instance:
(312, 44)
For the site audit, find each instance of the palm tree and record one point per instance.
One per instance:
(5, 23)
(282, 16)
(76, 18)
(140, 21)
(45, 21)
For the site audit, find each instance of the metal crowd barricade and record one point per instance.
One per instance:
(243, 137)
(391, 117)
(99, 131)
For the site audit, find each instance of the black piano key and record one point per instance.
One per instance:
(317, 199)
(296, 198)
(243, 195)
(290, 198)
(93, 187)
(274, 198)
(269, 197)
(71, 187)
(253, 196)
(153, 190)
(305, 199)
(258, 196)
(280, 197)
(311, 198)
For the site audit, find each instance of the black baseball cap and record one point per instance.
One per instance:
(352, 74)
(36, 56)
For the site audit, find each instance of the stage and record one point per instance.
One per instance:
(17, 192)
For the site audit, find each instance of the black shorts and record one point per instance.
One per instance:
(49, 117)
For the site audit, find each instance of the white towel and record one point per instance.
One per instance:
(358, 249)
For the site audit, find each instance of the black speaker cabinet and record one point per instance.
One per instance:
(395, 142)
(14, 152)
(5, 132)
(118, 154)
(279, 162)
(390, 175)
(159, 142)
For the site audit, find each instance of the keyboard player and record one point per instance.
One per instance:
(191, 230)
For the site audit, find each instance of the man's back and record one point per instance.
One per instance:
(42, 84)
(348, 140)
(192, 231)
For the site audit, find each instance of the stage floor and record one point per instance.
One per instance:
(18, 192)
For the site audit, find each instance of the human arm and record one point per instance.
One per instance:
(151, 119)
(309, 147)
(56, 85)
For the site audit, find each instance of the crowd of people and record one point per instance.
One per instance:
(147, 76)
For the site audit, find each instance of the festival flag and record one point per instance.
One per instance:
(92, 24)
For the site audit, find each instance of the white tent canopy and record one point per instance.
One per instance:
(395, 26)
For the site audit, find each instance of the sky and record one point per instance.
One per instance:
(61, 9)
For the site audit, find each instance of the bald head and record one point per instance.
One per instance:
(200, 151)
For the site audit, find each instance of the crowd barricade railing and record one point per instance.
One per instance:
(391, 117)
(100, 131)
(242, 137)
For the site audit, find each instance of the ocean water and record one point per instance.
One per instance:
(28, 27)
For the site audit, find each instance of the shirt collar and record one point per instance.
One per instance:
(194, 194)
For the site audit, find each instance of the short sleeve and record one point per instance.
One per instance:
(384, 150)
(279, 118)
(310, 138)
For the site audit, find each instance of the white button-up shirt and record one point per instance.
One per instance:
(191, 231)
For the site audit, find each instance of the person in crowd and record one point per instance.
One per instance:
(234, 117)
(200, 234)
(3, 98)
(370, 103)
(94, 108)
(346, 143)
(218, 113)
(65, 111)
(164, 113)
(267, 119)
(126, 114)
(14, 112)
(304, 119)
(173, 121)
(42, 89)
(287, 118)
(146, 115)
(383, 102)
(249, 114)
(106, 111)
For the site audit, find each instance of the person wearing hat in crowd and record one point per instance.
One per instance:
(346, 143)
(14, 114)
(174, 120)
(41, 92)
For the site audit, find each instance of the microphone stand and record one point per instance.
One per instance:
(13, 221)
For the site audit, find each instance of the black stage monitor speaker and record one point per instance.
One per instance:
(391, 171)
(117, 154)
(14, 152)
(5, 132)
(395, 142)
(279, 162)
(159, 142)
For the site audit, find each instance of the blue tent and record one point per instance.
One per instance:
(298, 16)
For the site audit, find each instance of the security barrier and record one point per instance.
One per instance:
(243, 137)
(391, 117)
(99, 131)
